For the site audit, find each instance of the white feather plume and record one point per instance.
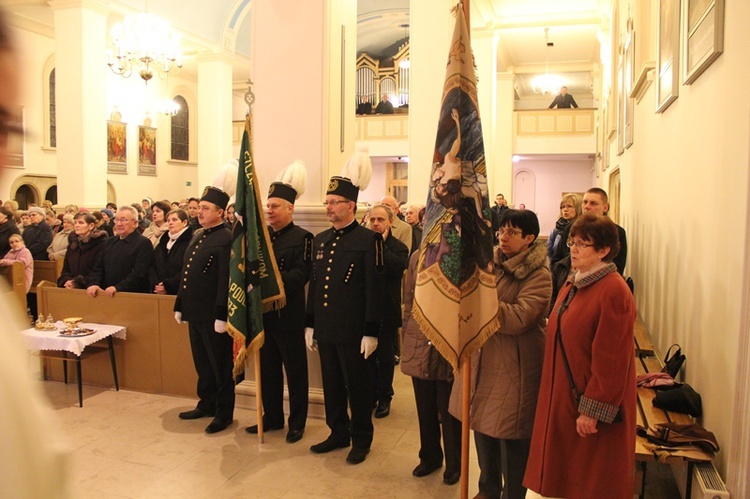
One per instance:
(358, 168)
(226, 178)
(295, 176)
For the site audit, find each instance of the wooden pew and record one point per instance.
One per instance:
(15, 276)
(45, 270)
(643, 344)
(154, 358)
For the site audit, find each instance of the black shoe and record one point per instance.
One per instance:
(384, 409)
(357, 455)
(254, 429)
(451, 477)
(218, 425)
(424, 469)
(330, 444)
(194, 414)
(294, 436)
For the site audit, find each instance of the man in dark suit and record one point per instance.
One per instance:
(202, 303)
(124, 262)
(344, 308)
(395, 260)
(364, 107)
(563, 100)
(284, 344)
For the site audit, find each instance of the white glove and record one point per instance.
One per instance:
(368, 346)
(178, 317)
(311, 343)
(220, 326)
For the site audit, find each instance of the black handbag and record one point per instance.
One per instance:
(673, 361)
(682, 398)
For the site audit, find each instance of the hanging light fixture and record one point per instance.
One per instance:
(169, 107)
(144, 43)
(546, 84)
(406, 63)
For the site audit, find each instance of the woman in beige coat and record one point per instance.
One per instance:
(507, 370)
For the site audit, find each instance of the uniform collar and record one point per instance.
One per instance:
(280, 232)
(340, 232)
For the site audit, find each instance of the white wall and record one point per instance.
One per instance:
(553, 178)
(685, 209)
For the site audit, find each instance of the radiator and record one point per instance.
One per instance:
(707, 484)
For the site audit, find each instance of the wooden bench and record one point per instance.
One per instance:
(647, 416)
(15, 276)
(154, 358)
(643, 344)
(45, 270)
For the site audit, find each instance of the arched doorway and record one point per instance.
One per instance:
(25, 195)
(51, 195)
(524, 189)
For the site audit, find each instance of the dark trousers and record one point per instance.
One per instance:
(287, 349)
(212, 356)
(501, 458)
(348, 378)
(432, 398)
(385, 361)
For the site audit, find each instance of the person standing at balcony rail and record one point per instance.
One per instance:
(563, 100)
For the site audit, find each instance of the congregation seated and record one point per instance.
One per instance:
(23, 220)
(54, 223)
(59, 245)
(37, 236)
(84, 246)
(124, 262)
(164, 275)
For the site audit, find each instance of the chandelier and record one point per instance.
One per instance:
(168, 107)
(546, 84)
(144, 43)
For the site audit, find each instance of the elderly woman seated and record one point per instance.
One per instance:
(59, 246)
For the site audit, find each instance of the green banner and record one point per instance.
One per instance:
(255, 283)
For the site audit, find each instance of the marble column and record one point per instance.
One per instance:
(214, 117)
(80, 79)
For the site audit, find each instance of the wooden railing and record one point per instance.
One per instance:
(548, 122)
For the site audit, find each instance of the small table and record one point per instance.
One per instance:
(49, 342)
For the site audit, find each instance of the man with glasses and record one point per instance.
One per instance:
(344, 307)
(124, 263)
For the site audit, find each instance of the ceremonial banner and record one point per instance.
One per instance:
(455, 300)
(255, 283)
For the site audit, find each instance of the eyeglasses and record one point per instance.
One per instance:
(335, 202)
(123, 220)
(509, 232)
(570, 243)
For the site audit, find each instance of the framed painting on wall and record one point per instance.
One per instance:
(667, 54)
(628, 86)
(146, 151)
(621, 97)
(702, 36)
(16, 138)
(117, 147)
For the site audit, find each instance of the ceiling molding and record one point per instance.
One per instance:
(31, 25)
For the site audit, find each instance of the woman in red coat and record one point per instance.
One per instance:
(585, 448)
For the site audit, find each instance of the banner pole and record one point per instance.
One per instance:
(465, 415)
(258, 395)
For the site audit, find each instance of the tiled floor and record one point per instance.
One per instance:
(129, 444)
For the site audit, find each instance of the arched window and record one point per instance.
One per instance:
(52, 113)
(181, 131)
(388, 87)
(51, 194)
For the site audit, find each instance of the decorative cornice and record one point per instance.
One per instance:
(97, 6)
(31, 25)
